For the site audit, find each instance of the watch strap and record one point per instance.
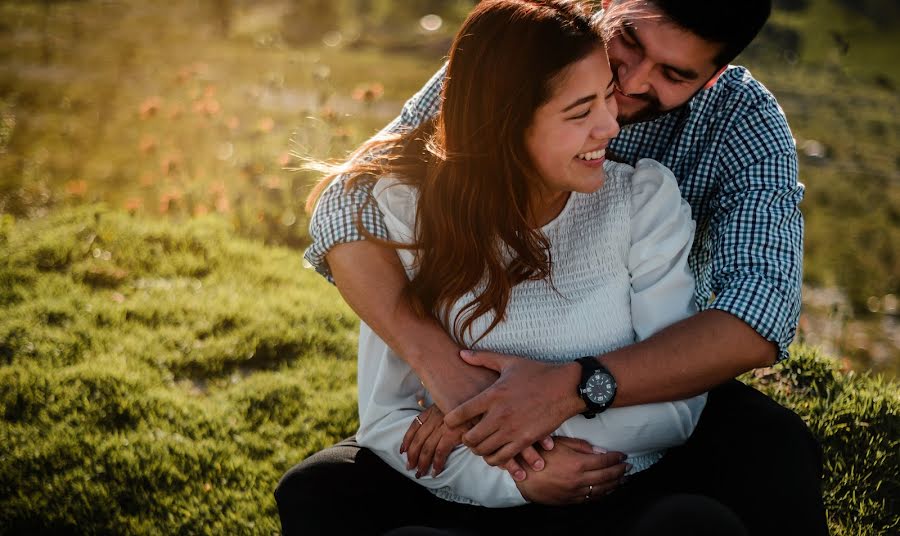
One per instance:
(589, 365)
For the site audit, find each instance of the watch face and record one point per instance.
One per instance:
(599, 388)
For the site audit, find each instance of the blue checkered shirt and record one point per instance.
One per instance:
(736, 162)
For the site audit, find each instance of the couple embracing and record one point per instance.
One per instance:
(562, 252)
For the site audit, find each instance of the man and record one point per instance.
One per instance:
(726, 139)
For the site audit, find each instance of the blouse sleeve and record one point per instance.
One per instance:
(397, 205)
(389, 389)
(662, 232)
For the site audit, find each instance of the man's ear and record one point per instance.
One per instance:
(715, 77)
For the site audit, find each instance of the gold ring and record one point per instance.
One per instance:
(418, 420)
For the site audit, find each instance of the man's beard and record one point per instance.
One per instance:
(651, 109)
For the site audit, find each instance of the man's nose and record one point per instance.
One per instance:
(635, 79)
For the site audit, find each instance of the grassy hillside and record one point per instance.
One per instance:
(158, 378)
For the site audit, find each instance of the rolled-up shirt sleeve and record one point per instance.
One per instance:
(756, 229)
(337, 211)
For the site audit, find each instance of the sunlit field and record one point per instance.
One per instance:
(165, 355)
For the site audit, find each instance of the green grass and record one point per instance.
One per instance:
(159, 378)
(164, 386)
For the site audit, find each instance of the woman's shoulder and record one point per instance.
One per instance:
(397, 201)
(641, 183)
(657, 207)
(653, 185)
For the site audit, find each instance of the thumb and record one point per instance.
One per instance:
(487, 360)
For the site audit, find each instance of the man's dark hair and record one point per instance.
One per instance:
(733, 24)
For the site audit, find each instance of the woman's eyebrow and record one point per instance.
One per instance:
(579, 102)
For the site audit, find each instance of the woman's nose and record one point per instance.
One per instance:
(606, 128)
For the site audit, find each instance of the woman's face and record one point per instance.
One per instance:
(569, 133)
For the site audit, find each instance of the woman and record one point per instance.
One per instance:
(520, 237)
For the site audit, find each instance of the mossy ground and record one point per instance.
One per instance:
(159, 378)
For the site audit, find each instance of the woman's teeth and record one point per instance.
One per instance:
(593, 155)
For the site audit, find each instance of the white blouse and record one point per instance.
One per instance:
(619, 274)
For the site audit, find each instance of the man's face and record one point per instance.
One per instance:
(657, 66)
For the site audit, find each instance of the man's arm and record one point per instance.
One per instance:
(371, 278)
(684, 360)
(372, 281)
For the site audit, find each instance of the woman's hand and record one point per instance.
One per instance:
(576, 472)
(429, 441)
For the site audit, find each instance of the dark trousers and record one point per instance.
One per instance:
(750, 463)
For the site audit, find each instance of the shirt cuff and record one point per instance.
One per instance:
(336, 219)
(764, 308)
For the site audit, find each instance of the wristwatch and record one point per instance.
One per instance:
(597, 387)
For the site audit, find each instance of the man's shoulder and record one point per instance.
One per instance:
(739, 101)
(735, 85)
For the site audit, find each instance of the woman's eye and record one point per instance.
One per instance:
(582, 116)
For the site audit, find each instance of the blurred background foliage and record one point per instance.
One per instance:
(180, 109)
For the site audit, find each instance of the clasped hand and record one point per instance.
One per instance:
(529, 400)
(429, 441)
(575, 470)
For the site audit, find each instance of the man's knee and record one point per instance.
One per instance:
(758, 420)
(788, 433)
(696, 515)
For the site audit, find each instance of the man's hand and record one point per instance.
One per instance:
(529, 401)
(576, 472)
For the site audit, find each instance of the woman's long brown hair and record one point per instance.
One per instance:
(470, 163)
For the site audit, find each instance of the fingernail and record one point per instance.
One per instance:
(628, 467)
(402, 449)
(538, 465)
(466, 353)
(418, 474)
(519, 475)
(623, 457)
(599, 450)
